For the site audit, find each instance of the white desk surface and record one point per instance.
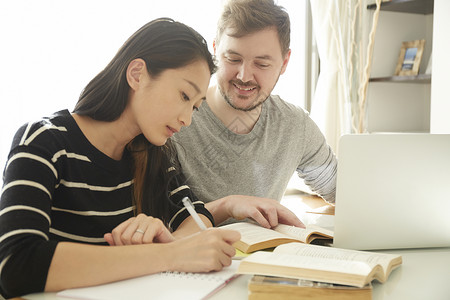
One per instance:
(424, 274)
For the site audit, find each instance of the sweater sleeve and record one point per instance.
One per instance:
(318, 165)
(178, 190)
(26, 199)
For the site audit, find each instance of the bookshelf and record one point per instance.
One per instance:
(424, 7)
(421, 78)
(400, 103)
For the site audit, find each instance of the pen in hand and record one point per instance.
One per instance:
(190, 208)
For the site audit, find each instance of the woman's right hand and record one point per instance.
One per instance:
(205, 251)
(208, 250)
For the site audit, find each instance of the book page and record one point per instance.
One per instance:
(371, 259)
(309, 263)
(253, 234)
(302, 233)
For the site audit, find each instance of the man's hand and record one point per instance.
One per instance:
(267, 212)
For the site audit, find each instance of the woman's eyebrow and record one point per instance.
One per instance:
(193, 85)
(196, 88)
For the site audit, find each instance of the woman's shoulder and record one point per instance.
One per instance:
(44, 131)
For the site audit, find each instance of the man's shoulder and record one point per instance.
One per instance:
(276, 106)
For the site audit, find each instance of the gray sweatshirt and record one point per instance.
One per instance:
(218, 162)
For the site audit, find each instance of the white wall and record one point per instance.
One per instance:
(51, 49)
(440, 93)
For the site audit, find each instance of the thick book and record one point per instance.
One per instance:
(273, 288)
(255, 237)
(319, 263)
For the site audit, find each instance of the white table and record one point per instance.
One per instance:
(424, 274)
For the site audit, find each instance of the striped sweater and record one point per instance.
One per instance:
(58, 187)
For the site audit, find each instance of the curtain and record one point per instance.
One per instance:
(344, 44)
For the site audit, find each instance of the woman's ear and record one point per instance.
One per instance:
(135, 72)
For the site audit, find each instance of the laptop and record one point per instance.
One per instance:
(393, 191)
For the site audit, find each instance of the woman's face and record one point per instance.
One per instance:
(162, 105)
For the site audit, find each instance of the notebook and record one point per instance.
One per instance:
(393, 191)
(164, 286)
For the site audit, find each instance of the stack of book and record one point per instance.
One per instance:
(297, 269)
(273, 288)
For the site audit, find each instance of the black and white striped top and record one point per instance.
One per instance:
(59, 187)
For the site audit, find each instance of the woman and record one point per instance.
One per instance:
(76, 182)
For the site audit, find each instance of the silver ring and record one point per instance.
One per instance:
(140, 231)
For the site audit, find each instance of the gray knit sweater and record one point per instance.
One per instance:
(218, 162)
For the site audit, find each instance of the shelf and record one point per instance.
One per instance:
(423, 7)
(421, 78)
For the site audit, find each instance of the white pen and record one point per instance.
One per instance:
(190, 207)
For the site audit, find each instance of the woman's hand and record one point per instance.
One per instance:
(205, 251)
(267, 212)
(141, 229)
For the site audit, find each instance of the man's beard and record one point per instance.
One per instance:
(259, 101)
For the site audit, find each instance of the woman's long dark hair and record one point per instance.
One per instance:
(163, 44)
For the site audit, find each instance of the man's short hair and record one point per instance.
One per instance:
(244, 17)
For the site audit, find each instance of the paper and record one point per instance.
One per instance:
(162, 286)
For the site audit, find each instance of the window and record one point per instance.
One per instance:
(51, 49)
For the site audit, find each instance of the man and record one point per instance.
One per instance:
(244, 144)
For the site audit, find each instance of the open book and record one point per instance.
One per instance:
(319, 263)
(255, 237)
